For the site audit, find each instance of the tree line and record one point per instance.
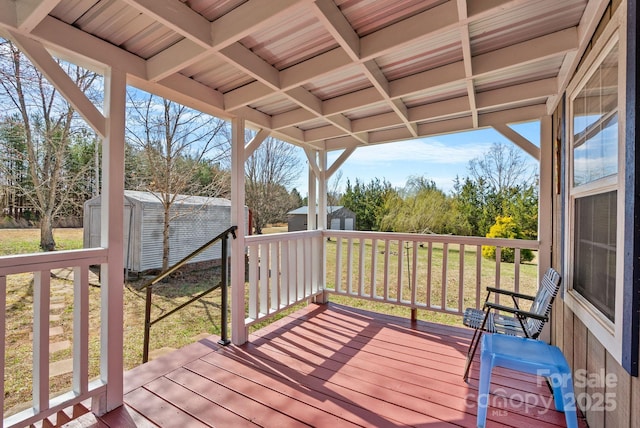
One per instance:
(499, 198)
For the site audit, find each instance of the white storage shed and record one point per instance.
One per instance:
(195, 221)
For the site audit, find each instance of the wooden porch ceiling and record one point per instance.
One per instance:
(329, 74)
(328, 365)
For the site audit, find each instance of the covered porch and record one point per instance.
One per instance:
(328, 76)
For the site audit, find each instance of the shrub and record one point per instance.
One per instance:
(505, 227)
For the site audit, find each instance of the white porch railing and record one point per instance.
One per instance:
(441, 273)
(41, 266)
(284, 269)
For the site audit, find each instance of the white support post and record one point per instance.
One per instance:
(545, 198)
(238, 328)
(322, 224)
(322, 191)
(312, 222)
(112, 238)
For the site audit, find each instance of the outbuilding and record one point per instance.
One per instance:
(338, 218)
(195, 221)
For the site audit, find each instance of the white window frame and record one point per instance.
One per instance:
(608, 333)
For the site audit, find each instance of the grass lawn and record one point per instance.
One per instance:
(202, 317)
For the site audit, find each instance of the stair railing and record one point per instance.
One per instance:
(224, 331)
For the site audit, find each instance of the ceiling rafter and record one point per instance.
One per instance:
(441, 76)
(367, 115)
(206, 38)
(341, 30)
(446, 109)
(29, 13)
(588, 23)
(466, 58)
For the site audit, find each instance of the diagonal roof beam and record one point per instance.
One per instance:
(518, 140)
(63, 83)
(72, 44)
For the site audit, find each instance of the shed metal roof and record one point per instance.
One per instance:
(329, 74)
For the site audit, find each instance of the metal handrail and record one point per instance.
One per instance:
(148, 322)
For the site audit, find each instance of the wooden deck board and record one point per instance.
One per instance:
(332, 366)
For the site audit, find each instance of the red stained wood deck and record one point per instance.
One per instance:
(329, 366)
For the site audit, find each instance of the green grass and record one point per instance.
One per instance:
(23, 241)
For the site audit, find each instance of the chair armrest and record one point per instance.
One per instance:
(510, 293)
(515, 311)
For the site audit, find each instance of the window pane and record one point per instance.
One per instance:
(594, 273)
(595, 124)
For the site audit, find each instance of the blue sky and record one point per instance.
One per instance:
(438, 158)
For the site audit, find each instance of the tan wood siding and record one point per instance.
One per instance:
(595, 364)
(618, 388)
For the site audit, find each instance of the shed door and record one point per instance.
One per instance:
(348, 224)
(335, 224)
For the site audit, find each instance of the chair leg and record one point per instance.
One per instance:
(471, 352)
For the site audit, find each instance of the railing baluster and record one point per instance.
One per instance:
(498, 267)
(263, 289)
(316, 257)
(293, 273)
(429, 275)
(516, 268)
(307, 267)
(445, 267)
(461, 280)
(300, 269)
(338, 286)
(254, 269)
(284, 277)
(361, 268)
(400, 270)
(350, 266)
(275, 277)
(41, 307)
(478, 274)
(374, 265)
(81, 329)
(386, 269)
(414, 274)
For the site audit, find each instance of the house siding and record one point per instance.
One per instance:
(581, 348)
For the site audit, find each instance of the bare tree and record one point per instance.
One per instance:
(175, 142)
(47, 122)
(502, 167)
(269, 171)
